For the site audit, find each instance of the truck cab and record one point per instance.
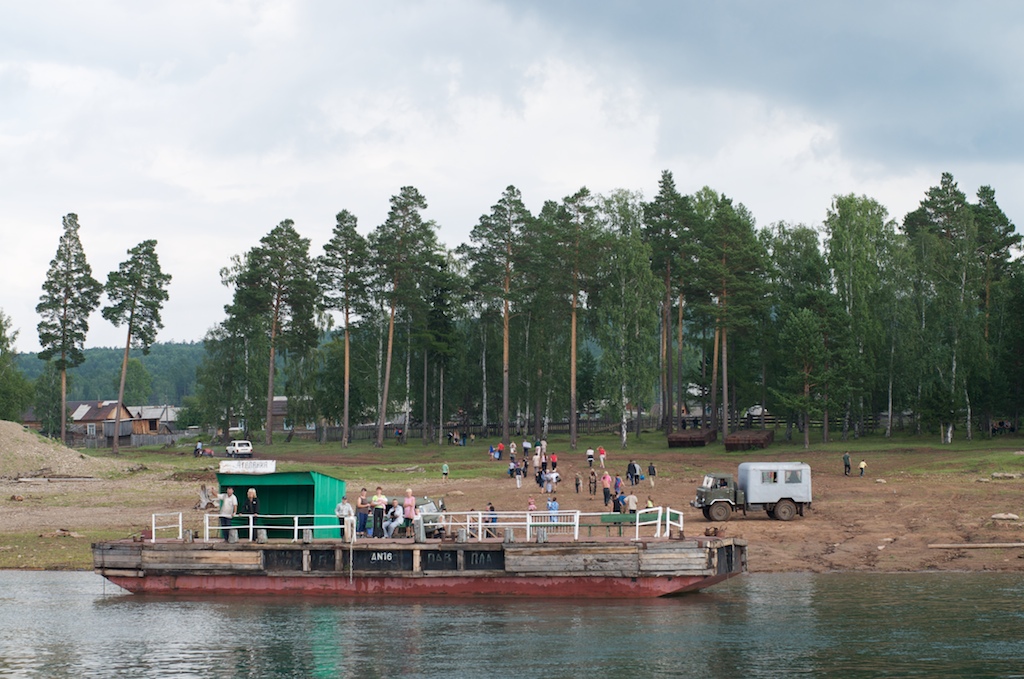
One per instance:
(717, 495)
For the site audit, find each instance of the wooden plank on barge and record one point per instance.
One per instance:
(204, 559)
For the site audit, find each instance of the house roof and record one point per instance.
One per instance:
(164, 413)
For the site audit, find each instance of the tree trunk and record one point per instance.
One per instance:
(622, 422)
(483, 375)
(807, 414)
(440, 407)
(572, 371)
(714, 383)
(268, 435)
(424, 434)
(382, 415)
(408, 381)
(669, 416)
(725, 383)
(348, 382)
(680, 389)
(115, 447)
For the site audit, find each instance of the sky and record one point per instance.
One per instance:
(204, 124)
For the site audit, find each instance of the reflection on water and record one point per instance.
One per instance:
(927, 625)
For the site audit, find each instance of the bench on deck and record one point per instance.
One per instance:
(609, 521)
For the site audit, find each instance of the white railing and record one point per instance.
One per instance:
(479, 525)
(673, 517)
(653, 518)
(288, 522)
(161, 517)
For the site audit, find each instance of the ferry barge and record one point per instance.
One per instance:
(493, 554)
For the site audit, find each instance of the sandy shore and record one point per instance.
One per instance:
(882, 522)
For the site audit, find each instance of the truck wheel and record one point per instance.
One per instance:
(704, 511)
(771, 513)
(785, 510)
(720, 511)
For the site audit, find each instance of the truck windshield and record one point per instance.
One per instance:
(709, 482)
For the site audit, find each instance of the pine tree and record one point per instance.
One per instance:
(497, 240)
(137, 292)
(276, 292)
(70, 294)
(343, 271)
(15, 390)
(401, 248)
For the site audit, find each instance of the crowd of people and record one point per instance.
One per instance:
(377, 516)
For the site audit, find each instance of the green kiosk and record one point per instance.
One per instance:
(307, 494)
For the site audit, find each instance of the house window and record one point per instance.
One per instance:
(90, 429)
(311, 426)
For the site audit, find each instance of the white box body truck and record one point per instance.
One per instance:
(782, 489)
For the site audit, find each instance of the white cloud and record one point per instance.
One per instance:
(205, 124)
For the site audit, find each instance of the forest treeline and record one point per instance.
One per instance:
(678, 305)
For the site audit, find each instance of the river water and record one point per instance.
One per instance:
(836, 625)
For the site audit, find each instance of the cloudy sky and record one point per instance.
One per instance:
(204, 124)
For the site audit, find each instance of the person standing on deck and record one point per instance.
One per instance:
(409, 507)
(228, 508)
(379, 503)
(252, 508)
(846, 463)
(343, 511)
(362, 513)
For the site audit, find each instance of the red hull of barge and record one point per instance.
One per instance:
(448, 585)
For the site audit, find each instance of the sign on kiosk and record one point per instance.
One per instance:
(248, 466)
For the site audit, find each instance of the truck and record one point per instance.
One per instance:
(783, 489)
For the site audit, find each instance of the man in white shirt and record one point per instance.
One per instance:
(343, 511)
(396, 517)
(228, 508)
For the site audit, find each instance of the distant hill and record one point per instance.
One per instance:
(172, 366)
